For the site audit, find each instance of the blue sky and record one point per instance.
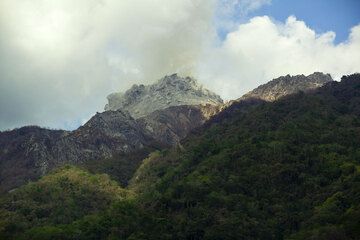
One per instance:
(320, 15)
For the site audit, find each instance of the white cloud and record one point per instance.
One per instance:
(59, 59)
(263, 49)
(229, 13)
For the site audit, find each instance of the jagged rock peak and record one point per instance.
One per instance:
(285, 85)
(172, 90)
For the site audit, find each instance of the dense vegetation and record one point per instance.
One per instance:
(283, 170)
(120, 167)
(61, 197)
(288, 169)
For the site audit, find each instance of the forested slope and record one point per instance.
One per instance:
(288, 169)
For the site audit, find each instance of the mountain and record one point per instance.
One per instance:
(271, 91)
(115, 141)
(24, 154)
(111, 141)
(30, 152)
(167, 127)
(286, 85)
(171, 90)
(287, 169)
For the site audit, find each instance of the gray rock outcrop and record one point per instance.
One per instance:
(286, 85)
(173, 90)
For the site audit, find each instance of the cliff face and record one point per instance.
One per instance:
(24, 154)
(169, 91)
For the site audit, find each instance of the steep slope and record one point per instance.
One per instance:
(169, 91)
(24, 154)
(172, 124)
(104, 134)
(164, 127)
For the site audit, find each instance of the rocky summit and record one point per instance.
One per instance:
(173, 90)
(286, 85)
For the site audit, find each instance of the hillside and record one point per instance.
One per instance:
(30, 152)
(61, 197)
(283, 170)
(287, 169)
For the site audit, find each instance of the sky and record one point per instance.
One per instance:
(319, 15)
(59, 59)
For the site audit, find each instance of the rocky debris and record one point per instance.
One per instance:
(287, 85)
(169, 91)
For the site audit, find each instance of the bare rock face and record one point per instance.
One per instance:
(102, 136)
(172, 124)
(169, 91)
(287, 85)
(25, 154)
